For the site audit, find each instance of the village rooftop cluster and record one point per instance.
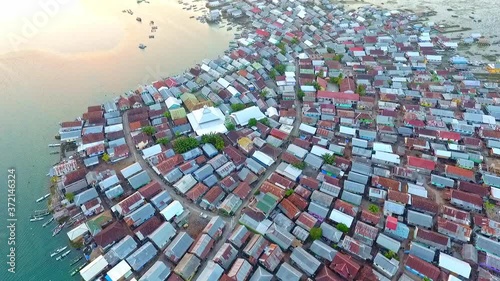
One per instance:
(327, 145)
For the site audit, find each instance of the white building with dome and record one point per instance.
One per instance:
(207, 120)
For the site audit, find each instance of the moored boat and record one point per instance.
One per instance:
(76, 260)
(57, 251)
(36, 219)
(43, 197)
(65, 254)
(74, 272)
(48, 222)
(54, 144)
(57, 229)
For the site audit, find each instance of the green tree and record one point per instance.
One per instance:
(184, 144)
(105, 157)
(70, 196)
(321, 74)
(280, 68)
(299, 165)
(426, 279)
(288, 192)
(257, 192)
(328, 158)
(342, 227)
(264, 121)
(338, 57)
(149, 130)
(237, 107)
(163, 141)
(361, 90)
(488, 206)
(315, 84)
(315, 233)
(336, 80)
(215, 139)
(167, 114)
(230, 127)
(295, 41)
(329, 50)
(264, 94)
(252, 122)
(390, 254)
(374, 208)
(301, 94)
(273, 74)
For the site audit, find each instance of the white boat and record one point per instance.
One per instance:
(65, 253)
(48, 222)
(57, 251)
(54, 144)
(43, 197)
(36, 219)
(58, 229)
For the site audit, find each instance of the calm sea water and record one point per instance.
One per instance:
(57, 59)
(85, 54)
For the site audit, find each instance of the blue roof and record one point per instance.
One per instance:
(139, 180)
(91, 161)
(142, 256)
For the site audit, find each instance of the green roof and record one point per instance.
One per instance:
(257, 65)
(267, 203)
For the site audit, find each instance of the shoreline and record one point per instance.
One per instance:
(148, 168)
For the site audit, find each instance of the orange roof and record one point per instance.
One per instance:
(459, 171)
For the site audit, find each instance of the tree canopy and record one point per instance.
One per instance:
(237, 107)
(264, 121)
(184, 144)
(288, 192)
(328, 158)
(361, 90)
(373, 208)
(264, 94)
(214, 139)
(163, 141)
(149, 130)
(299, 165)
(105, 157)
(167, 114)
(342, 227)
(315, 233)
(336, 80)
(301, 94)
(272, 74)
(280, 68)
(70, 196)
(230, 127)
(252, 122)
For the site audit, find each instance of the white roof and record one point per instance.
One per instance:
(291, 170)
(307, 128)
(271, 111)
(389, 157)
(92, 269)
(320, 151)
(151, 151)
(77, 231)
(339, 217)
(417, 190)
(131, 170)
(262, 157)
(495, 192)
(384, 147)
(207, 120)
(118, 271)
(241, 117)
(454, 265)
(173, 209)
(223, 82)
(171, 101)
(347, 130)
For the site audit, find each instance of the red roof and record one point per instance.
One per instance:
(478, 189)
(234, 155)
(213, 194)
(150, 190)
(391, 223)
(262, 32)
(421, 163)
(268, 187)
(74, 176)
(345, 266)
(289, 209)
(195, 193)
(348, 84)
(454, 170)
(337, 96)
(309, 182)
(280, 181)
(423, 267)
(424, 204)
(370, 217)
(446, 135)
(243, 190)
(147, 228)
(298, 201)
(278, 134)
(432, 236)
(325, 274)
(307, 220)
(167, 165)
(467, 197)
(111, 234)
(129, 201)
